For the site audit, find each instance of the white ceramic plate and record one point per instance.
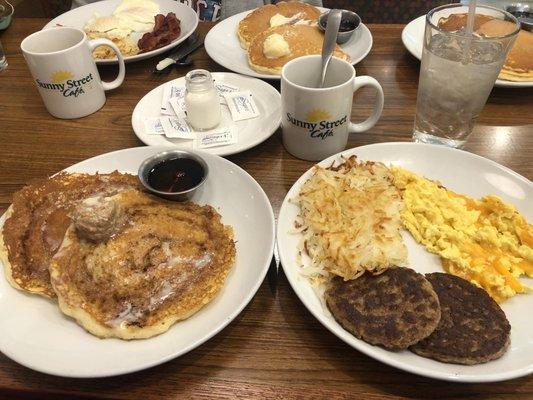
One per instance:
(34, 333)
(462, 172)
(413, 40)
(222, 45)
(251, 132)
(78, 17)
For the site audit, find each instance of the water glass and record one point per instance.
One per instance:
(458, 70)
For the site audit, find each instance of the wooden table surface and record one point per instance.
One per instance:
(274, 348)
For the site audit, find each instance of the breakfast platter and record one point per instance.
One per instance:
(249, 132)
(63, 348)
(82, 16)
(413, 36)
(459, 171)
(223, 46)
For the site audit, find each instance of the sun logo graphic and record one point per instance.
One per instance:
(61, 76)
(317, 115)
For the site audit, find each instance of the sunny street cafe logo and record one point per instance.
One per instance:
(62, 82)
(318, 123)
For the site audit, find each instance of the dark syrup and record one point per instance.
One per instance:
(175, 175)
(346, 25)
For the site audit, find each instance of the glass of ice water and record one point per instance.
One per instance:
(464, 50)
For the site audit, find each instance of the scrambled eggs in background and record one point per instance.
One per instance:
(485, 241)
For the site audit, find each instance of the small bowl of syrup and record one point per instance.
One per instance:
(350, 21)
(173, 174)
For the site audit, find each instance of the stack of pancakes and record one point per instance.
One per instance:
(298, 29)
(121, 262)
(518, 65)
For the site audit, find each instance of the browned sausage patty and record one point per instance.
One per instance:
(473, 328)
(394, 309)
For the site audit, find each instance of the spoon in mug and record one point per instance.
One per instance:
(330, 40)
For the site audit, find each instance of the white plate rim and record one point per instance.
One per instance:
(92, 7)
(212, 51)
(228, 318)
(345, 336)
(223, 151)
(409, 30)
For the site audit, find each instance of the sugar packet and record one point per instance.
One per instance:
(224, 88)
(241, 105)
(178, 106)
(153, 126)
(171, 91)
(216, 137)
(176, 128)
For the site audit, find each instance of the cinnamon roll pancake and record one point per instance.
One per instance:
(38, 219)
(271, 15)
(132, 264)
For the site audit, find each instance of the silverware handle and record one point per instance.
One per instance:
(330, 40)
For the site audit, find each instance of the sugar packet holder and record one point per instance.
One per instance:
(241, 105)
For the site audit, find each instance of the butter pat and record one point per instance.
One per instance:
(275, 46)
(279, 19)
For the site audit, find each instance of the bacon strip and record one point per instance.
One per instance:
(166, 29)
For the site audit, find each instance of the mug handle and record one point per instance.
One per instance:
(359, 82)
(121, 67)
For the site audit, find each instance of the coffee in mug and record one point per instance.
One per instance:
(316, 121)
(61, 63)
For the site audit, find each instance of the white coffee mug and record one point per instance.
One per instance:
(316, 122)
(61, 63)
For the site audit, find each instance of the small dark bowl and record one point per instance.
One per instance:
(348, 16)
(147, 165)
(523, 13)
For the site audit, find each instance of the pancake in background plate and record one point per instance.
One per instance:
(293, 41)
(456, 22)
(131, 265)
(518, 65)
(37, 220)
(260, 19)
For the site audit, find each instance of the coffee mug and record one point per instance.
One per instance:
(61, 63)
(316, 121)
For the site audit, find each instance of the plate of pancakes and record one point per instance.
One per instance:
(517, 70)
(81, 16)
(287, 29)
(102, 278)
(404, 307)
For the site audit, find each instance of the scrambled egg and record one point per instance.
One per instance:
(485, 241)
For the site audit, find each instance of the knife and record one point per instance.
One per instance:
(191, 44)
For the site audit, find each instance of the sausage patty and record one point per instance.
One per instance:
(395, 309)
(473, 328)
